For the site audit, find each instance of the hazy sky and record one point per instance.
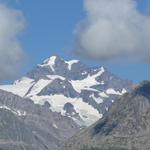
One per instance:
(37, 29)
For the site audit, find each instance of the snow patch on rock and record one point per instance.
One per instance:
(87, 82)
(71, 62)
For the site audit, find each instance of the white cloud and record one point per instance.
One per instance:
(11, 52)
(113, 29)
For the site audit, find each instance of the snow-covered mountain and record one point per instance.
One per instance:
(71, 88)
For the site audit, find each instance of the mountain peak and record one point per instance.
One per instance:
(144, 83)
(143, 89)
(91, 90)
(51, 60)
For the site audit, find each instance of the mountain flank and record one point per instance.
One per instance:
(126, 126)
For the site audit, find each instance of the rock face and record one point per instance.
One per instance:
(90, 90)
(59, 86)
(126, 126)
(28, 126)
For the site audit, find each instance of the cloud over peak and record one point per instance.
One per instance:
(11, 53)
(113, 29)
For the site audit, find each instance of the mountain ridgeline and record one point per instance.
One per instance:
(71, 88)
(126, 126)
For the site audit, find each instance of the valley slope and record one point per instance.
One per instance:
(126, 126)
(28, 126)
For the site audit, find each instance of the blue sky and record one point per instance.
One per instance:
(49, 31)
